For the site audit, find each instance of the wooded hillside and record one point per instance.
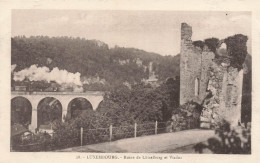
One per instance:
(91, 58)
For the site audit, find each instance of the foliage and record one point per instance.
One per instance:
(121, 107)
(67, 134)
(229, 141)
(170, 93)
(49, 113)
(78, 106)
(199, 44)
(142, 103)
(212, 43)
(20, 111)
(167, 66)
(237, 49)
(91, 58)
(38, 142)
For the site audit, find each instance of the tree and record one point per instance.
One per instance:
(237, 49)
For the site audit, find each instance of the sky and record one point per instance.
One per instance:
(152, 31)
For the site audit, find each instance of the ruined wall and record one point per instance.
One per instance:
(225, 85)
(220, 84)
(190, 65)
(194, 64)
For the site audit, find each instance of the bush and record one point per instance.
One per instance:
(229, 141)
(67, 134)
(38, 142)
(187, 116)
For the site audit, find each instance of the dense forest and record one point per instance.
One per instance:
(93, 59)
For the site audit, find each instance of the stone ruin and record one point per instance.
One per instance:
(211, 79)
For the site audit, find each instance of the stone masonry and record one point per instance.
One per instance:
(209, 81)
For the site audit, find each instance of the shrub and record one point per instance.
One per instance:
(38, 142)
(228, 141)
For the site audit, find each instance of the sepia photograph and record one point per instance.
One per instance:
(126, 81)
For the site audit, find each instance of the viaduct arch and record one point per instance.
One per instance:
(94, 97)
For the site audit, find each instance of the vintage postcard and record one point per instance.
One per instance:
(121, 83)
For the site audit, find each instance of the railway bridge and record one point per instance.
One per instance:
(94, 98)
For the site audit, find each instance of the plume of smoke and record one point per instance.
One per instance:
(13, 67)
(35, 73)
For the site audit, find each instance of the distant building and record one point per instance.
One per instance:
(153, 80)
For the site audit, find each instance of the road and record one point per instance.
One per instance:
(177, 142)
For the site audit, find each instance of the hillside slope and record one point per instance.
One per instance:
(93, 59)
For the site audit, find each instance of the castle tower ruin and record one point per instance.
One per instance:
(210, 80)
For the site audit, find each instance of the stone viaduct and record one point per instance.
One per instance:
(94, 97)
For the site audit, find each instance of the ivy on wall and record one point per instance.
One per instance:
(212, 44)
(199, 44)
(237, 49)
